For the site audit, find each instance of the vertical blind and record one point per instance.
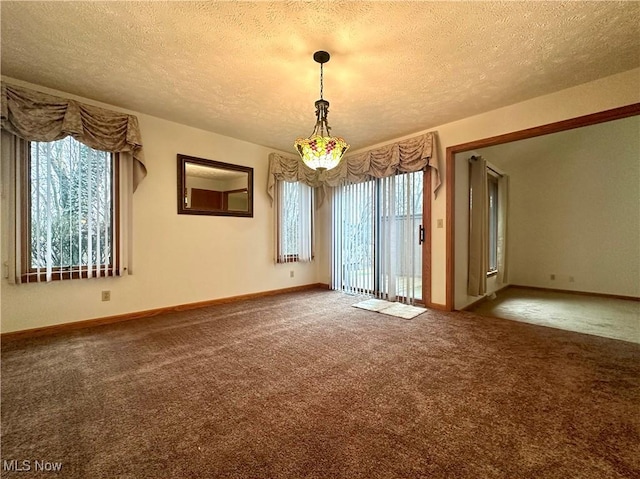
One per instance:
(399, 246)
(70, 211)
(353, 238)
(375, 246)
(294, 218)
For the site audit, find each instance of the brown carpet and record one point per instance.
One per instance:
(305, 386)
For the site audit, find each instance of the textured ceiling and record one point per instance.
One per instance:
(245, 69)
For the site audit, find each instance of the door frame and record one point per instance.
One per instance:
(427, 190)
(572, 123)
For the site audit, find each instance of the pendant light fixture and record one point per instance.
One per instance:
(321, 151)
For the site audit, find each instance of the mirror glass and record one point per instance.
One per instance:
(207, 187)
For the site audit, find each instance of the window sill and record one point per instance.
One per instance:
(64, 274)
(293, 258)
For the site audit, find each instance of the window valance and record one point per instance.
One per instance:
(37, 116)
(412, 154)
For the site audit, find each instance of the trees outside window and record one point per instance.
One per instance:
(294, 222)
(69, 203)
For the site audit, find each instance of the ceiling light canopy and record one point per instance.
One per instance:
(321, 151)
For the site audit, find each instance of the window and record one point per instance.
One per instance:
(492, 191)
(294, 210)
(69, 196)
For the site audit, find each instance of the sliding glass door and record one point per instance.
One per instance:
(377, 237)
(354, 238)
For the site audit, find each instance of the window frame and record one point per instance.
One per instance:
(30, 274)
(493, 186)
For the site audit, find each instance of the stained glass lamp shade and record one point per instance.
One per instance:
(321, 151)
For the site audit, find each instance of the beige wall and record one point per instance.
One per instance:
(181, 258)
(177, 259)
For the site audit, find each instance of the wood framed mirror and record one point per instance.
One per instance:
(207, 187)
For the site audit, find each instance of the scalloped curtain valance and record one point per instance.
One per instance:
(413, 154)
(37, 116)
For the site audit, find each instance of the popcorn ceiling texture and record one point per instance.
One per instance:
(245, 69)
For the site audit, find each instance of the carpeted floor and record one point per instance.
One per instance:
(607, 317)
(305, 386)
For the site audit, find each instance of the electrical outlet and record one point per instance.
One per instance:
(552, 277)
(291, 274)
(572, 279)
(106, 296)
(440, 223)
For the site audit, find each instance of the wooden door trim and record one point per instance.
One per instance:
(556, 127)
(427, 191)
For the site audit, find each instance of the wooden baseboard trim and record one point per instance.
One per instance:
(65, 327)
(581, 293)
(438, 306)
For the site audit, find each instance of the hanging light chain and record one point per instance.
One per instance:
(321, 82)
